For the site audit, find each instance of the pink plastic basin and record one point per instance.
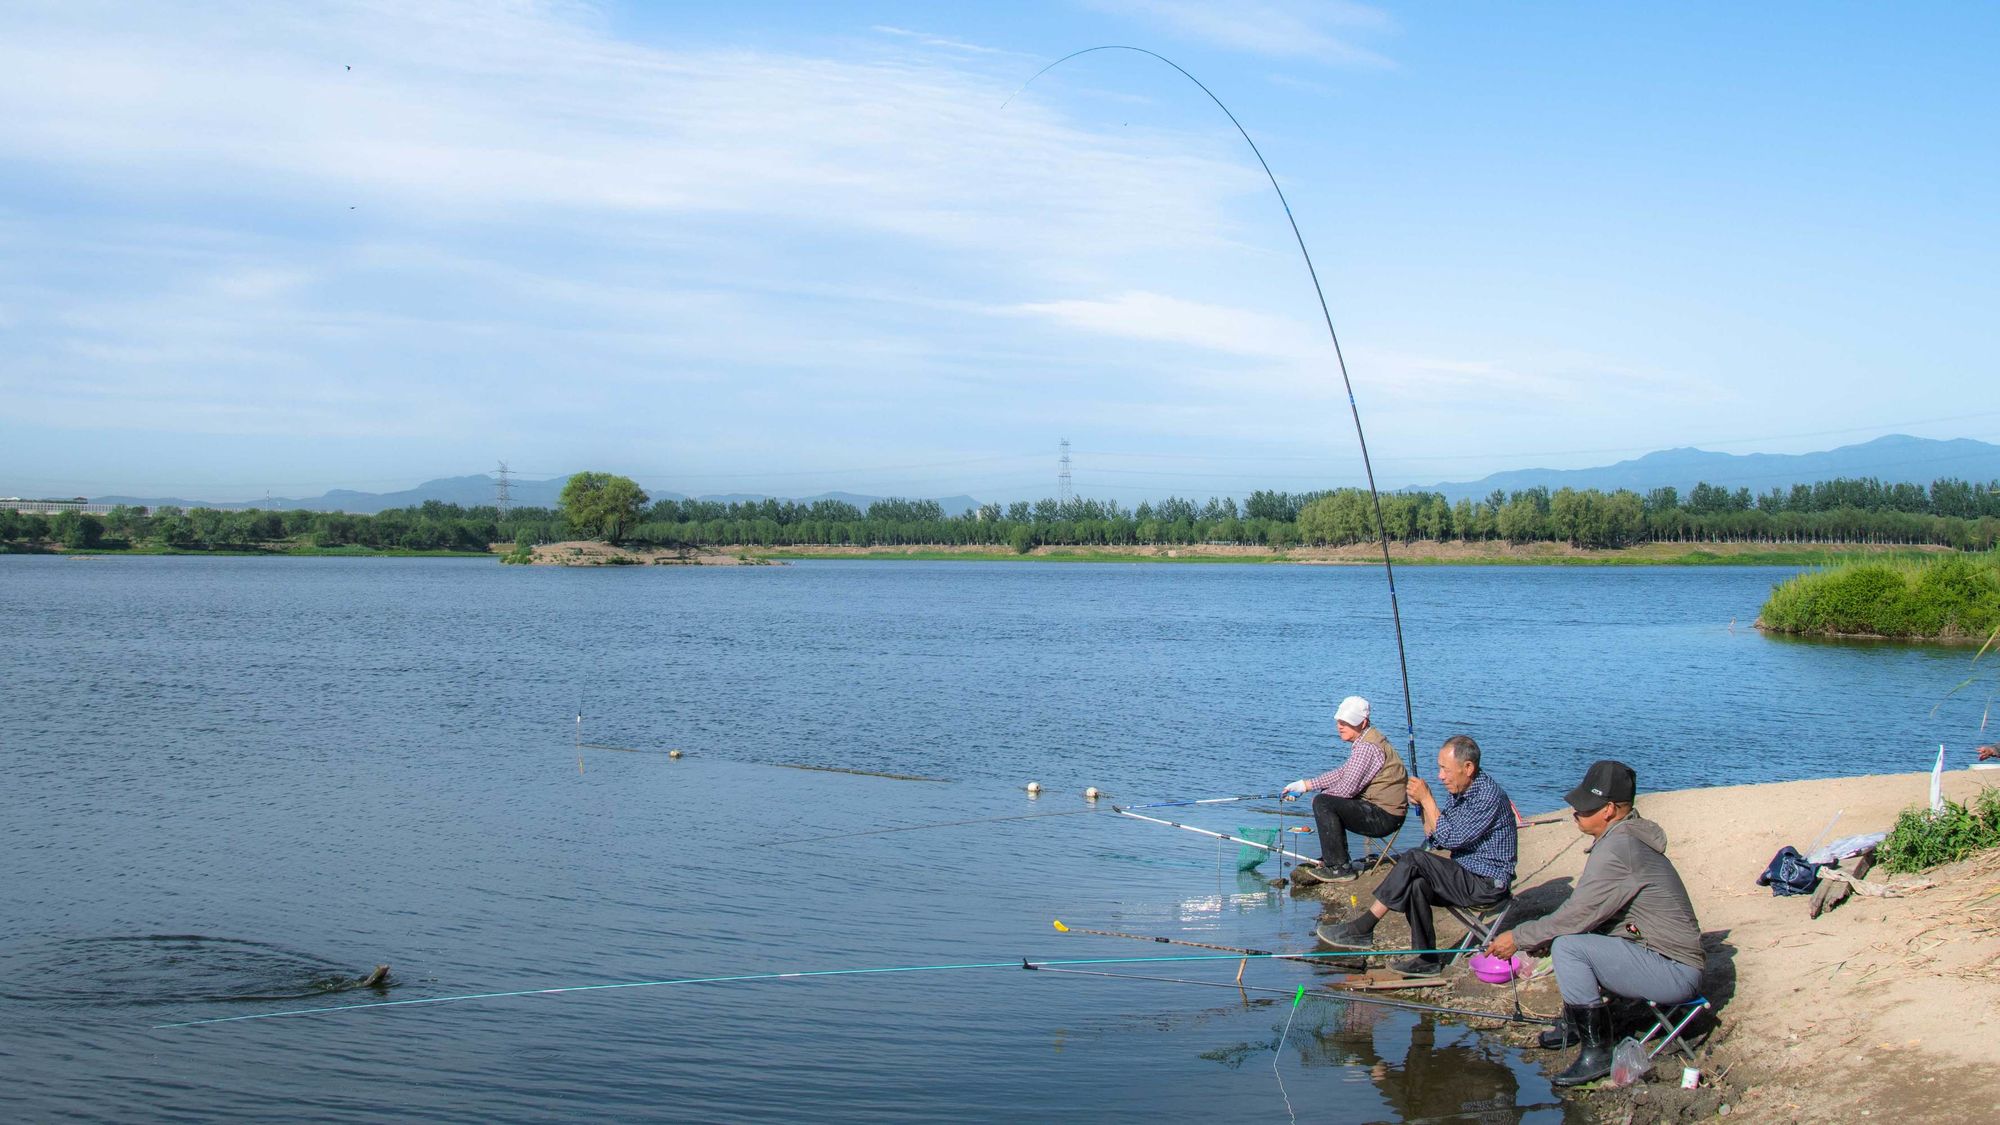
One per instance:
(1493, 970)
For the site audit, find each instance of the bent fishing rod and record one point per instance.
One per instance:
(1340, 357)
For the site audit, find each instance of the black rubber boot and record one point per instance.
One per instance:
(1593, 1024)
(1560, 1036)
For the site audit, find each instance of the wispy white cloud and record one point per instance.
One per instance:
(1319, 30)
(926, 39)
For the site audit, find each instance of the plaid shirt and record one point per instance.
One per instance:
(1364, 761)
(1477, 828)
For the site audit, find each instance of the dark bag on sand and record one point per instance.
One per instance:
(1789, 873)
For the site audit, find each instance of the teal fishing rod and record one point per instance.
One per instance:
(1326, 314)
(808, 974)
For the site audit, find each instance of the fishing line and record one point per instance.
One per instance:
(1024, 816)
(1326, 314)
(1023, 963)
(1278, 1052)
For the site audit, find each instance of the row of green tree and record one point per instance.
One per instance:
(603, 506)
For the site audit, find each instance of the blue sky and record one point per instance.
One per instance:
(789, 247)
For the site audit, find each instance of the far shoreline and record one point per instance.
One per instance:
(1418, 553)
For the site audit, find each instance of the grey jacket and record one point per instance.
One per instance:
(1628, 889)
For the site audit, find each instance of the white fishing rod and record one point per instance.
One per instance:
(1216, 835)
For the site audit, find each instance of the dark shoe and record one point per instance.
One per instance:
(1593, 1024)
(1344, 935)
(1418, 966)
(1320, 874)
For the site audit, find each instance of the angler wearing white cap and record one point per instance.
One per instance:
(1367, 794)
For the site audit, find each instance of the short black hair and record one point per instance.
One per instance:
(1464, 751)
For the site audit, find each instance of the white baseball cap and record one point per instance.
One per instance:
(1353, 711)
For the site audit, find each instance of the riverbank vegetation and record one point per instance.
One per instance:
(1948, 513)
(1949, 597)
(1923, 839)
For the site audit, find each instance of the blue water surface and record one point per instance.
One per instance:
(230, 783)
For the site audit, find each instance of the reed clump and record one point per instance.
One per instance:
(1948, 597)
(1922, 839)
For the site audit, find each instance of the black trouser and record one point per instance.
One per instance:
(1421, 878)
(1335, 817)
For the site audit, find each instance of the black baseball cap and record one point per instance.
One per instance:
(1606, 781)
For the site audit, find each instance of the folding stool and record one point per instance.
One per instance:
(1670, 1021)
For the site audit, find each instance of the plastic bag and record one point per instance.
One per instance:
(1629, 1062)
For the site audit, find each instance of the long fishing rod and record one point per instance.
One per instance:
(1165, 940)
(740, 978)
(1327, 995)
(1216, 835)
(1326, 314)
(1026, 816)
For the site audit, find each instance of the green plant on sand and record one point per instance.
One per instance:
(1923, 839)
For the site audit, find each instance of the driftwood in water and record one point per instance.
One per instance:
(377, 979)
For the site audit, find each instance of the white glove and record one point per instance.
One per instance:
(1296, 788)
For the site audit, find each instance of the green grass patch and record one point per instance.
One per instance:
(1922, 840)
(1942, 597)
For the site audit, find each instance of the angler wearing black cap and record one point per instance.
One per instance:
(1627, 929)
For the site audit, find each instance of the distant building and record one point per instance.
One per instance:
(54, 507)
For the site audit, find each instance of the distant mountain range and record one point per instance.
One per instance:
(1890, 459)
(473, 491)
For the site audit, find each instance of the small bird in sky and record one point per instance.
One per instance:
(350, 66)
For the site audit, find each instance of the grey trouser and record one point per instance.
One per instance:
(1590, 965)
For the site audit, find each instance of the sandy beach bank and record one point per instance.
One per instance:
(1421, 552)
(1881, 1009)
(591, 552)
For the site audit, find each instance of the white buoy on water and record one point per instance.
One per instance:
(1091, 794)
(1034, 787)
(673, 753)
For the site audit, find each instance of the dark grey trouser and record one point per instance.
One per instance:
(1421, 878)
(1588, 966)
(1335, 817)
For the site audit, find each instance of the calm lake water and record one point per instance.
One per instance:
(228, 782)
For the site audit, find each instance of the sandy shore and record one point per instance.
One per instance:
(1370, 554)
(1882, 1009)
(588, 552)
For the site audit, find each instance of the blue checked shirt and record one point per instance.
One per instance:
(1477, 828)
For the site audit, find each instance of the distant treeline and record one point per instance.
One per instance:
(1951, 513)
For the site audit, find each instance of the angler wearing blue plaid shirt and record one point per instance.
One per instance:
(1475, 824)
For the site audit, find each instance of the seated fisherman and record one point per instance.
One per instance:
(1476, 825)
(1368, 793)
(1627, 929)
